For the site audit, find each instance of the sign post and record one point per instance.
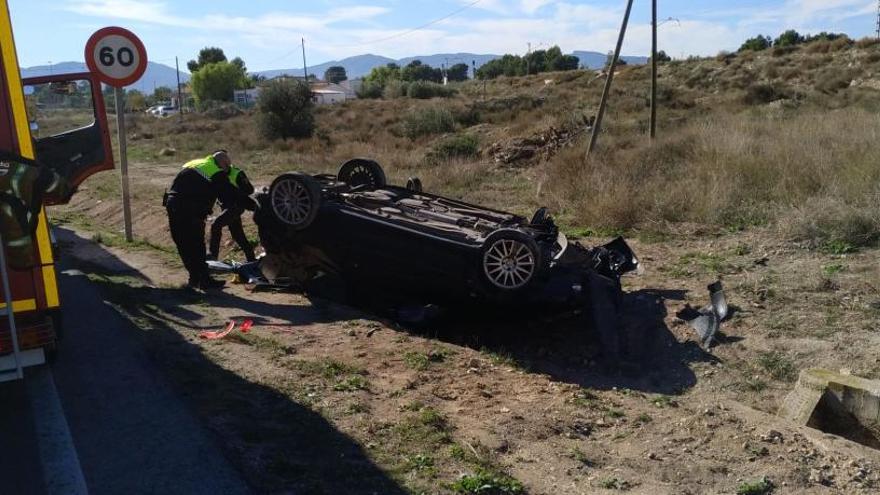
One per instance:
(118, 58)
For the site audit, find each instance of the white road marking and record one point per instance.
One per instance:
(61, 470)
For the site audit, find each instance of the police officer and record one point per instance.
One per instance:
(231, 216)
(189, 202)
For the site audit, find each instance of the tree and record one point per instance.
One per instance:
(217, 81)
(207, 55)
(756, 44)
(163, 93)
(458, 72)
(663, 57)
(508, 65)
(285, 109)
(417, 71)
(238, 62)
(335, 74)
(789, 38)
(380, 76)
(135, 100)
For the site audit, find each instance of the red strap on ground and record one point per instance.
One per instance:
(218, 334)
(246, 326)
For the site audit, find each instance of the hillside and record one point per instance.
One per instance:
(155, 76)
(764, 175)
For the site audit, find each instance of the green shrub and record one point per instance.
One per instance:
(425, 89)
(394, 89)
(487, 483)
(762, 486)
(427, 121)
(370, 90)
(459, 145)
(285, 110)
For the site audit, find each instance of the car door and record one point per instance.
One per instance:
(68, 124)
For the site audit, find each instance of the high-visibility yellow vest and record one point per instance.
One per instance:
(206, 167)
(233, 175)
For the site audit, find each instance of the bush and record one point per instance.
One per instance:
(285, 110)
(424, 90)
(459, 145)
(220, 110)
(370, 90)
(765, 93)
(867, 42)
(428, 121)
(394, 89)
(833, 225)
(756, 44)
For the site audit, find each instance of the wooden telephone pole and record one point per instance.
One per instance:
(597, 125)
(653, 127)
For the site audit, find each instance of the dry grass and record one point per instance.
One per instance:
(729, 155)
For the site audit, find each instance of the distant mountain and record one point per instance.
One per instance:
(355, 67)
(155, 76)
(596, 60)
(361, 65)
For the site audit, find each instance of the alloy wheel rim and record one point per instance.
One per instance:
(509, 264)
(291, 201)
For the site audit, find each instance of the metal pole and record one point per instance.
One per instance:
(123, 162)
(305, 67)
(10, 314)
(179, 93)
(653, 126)
(597, 125)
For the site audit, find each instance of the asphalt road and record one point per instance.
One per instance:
(102, 418)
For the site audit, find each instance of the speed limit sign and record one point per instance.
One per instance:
(116, 56)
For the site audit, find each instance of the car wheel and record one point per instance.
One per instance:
(361, 172)
(295, 198)
(510, 260)
(414, 184)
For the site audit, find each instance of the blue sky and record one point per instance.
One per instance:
(266, 33)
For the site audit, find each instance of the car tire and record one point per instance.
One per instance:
(295, 199)
(509, 260)
(362, 172)
(414, 184)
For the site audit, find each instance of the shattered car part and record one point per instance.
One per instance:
(707, 320)
(417, 247)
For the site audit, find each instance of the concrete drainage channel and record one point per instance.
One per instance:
(843, 405)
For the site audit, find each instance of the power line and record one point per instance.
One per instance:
(418, 28)
(393, 36)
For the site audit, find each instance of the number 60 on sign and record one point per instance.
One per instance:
(116, 55)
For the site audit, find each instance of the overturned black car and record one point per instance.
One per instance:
(415, 247)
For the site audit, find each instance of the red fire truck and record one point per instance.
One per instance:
(60, 121)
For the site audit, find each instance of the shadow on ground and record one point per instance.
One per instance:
(280, 445)
(566, 348)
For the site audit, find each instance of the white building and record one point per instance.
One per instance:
(322, 96)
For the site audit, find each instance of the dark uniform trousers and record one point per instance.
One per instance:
(188, 233)
(230, 218)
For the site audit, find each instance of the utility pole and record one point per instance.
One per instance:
(878, 19)
(653, 127)
(305, 67)
(474, 67)
(179, 93)
(528, 60)
(597, 125)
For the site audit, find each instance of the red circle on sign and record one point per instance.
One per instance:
(96, 38)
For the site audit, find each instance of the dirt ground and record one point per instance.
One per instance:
(329, 399)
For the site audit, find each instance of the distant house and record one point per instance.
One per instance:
(323, 93)
(325, 96)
